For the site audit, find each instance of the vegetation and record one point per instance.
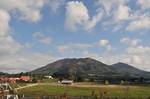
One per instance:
(112, 91)
(83, 69)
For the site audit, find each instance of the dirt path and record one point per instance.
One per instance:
(30, 85)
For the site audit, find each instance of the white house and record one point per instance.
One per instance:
(68, 82)
(49, 77)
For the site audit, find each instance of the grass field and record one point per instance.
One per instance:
(112, 91)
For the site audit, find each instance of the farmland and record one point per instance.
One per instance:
(76, 90)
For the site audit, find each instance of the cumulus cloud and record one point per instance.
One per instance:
(144, 4)
(14, 56)
(42, 38)
(24, 62)
(55, 5)
(30, 10)
(24, 9)
(90, 24)
(142, 23)
(139, 56)
(122, 13)
(4, 22)
(117, 13)
(109, 5)
(73, 47)
(138, 50)
(105, 43)
(77, 15)
(130, 42)
(9, 46)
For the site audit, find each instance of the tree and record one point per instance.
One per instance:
(106, 82)
(141, 79)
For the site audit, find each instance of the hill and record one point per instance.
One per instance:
(129, 70)
(88, 67)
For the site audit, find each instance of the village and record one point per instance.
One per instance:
(10, 84)
(4, 79)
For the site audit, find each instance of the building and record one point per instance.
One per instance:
(13, 79)
(49, 77)
(25, 78)
(4, 79)
(8, 79)
(67, 82)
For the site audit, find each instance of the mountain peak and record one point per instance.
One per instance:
(86, 66)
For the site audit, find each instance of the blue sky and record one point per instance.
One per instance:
(35, 33)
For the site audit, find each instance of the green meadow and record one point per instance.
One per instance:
(112, 91)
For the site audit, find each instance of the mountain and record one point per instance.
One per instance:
(129, 70)
(88, 67)
(81, 65)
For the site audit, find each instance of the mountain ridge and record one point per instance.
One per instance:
(89, 66)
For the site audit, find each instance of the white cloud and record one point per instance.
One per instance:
(90, 24)
(105, 43)
(76, 14)
(130, 42)
(4, 23)
(73, 47)
(109, 5)
(9, 45)
(145, 4)
(139, 56)
(25, 9)
(122, 13)
(142, 23)
(138, 50)
(24, 62)
(55, 5)
(30, 10)
(115, 13)
(15, 57)
(42, 38)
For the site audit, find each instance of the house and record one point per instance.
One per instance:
(67, 82)
(25, 78)
(4, 79)
(13, 79)
(49, 77)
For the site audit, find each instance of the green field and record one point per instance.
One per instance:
(112, 91)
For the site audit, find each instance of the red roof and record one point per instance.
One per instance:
(25, 78)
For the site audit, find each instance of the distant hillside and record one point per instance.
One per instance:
(89, 67)
(129, 70)
(81, 65)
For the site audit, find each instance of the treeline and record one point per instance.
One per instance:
(111, 79)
